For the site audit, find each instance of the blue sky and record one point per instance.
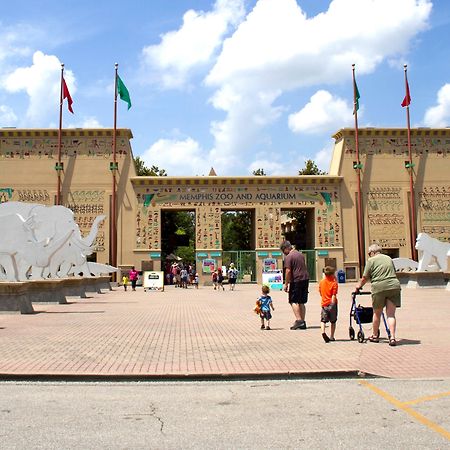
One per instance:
(233, 84)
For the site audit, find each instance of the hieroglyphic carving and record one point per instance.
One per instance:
(6, 194)
(328, 221)
(386, 217)
(398, 146)
(268, 226)
(86, 206)
(148, 223)
(47, 147)
(208, 227)
(434, 210)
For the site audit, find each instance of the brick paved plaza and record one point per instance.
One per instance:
(209, 333)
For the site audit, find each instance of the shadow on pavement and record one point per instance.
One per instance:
(408, 342)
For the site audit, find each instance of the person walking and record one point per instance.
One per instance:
(232, 276)
(214, 279)
(265, 303)
(133, 276)
(125, 282)
(296, 283)
(220, 279)
(386, 291)
(328, 289)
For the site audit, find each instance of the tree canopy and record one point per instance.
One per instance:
(311, 169)
(259, 172)
(143, 171)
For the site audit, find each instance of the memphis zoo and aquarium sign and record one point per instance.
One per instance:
(239, 195)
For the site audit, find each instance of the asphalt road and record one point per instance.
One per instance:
(278, 414)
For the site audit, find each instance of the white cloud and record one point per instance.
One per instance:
(193, 44)
(180, 157)
(270, 166)
(86, 122)
(323, 157)
(323, 113)
(41, 81)
(439, 115)
(280, 44)
(13, 38)
(278, 48)
(7, 116)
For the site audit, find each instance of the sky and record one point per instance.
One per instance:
(237, 85)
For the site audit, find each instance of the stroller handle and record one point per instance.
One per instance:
(360, 292)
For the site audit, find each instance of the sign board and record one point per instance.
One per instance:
(273, 279)
(208, 266)
(153, 280)
(269, 264)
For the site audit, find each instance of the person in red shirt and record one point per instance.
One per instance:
(328, 289)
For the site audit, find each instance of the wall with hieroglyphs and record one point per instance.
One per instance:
(27, 174)
(385, 186)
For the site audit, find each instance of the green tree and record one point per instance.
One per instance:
(311, 169)
(237, 230)
(178, 228)
(259, 172)
(143, 171)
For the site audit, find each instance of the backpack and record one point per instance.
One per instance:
(214, 277)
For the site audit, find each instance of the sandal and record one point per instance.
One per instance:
(373, 338)
(392, 342)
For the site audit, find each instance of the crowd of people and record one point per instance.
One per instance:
(181, 275)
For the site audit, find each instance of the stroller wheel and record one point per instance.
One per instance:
(360, 337)
(351, 333)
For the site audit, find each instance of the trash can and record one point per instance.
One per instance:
(341, 276)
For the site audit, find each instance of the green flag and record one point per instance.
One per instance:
(123, 92)
(356, 100)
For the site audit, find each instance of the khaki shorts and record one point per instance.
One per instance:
(379, 299)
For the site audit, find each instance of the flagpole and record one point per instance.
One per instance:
(358, 175)
(113, 169)
(410, 166)
(58, 167)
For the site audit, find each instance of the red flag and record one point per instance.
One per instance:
(66, 94)
(407, 100)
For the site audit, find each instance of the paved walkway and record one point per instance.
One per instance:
(209, 333)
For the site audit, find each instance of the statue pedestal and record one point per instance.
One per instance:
(14, 297)
(46, 291)
(416, 280)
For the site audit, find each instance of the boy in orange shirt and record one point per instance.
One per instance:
(328, 289)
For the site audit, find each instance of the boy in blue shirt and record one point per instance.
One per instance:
(265, 302)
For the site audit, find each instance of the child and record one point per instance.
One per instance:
(125, 282)
(214, 279)
(265, 302)
(196, 281)
(220, 279)
(328, 289)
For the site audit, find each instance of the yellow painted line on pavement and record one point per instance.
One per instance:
(404, 407)
(427, 399)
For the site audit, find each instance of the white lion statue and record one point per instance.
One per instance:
(431, 247)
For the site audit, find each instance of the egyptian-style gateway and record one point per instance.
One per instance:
(336, 234)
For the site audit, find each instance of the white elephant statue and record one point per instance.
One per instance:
(19, 250)
(53, 222)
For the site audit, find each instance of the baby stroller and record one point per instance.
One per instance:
(363, 314)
